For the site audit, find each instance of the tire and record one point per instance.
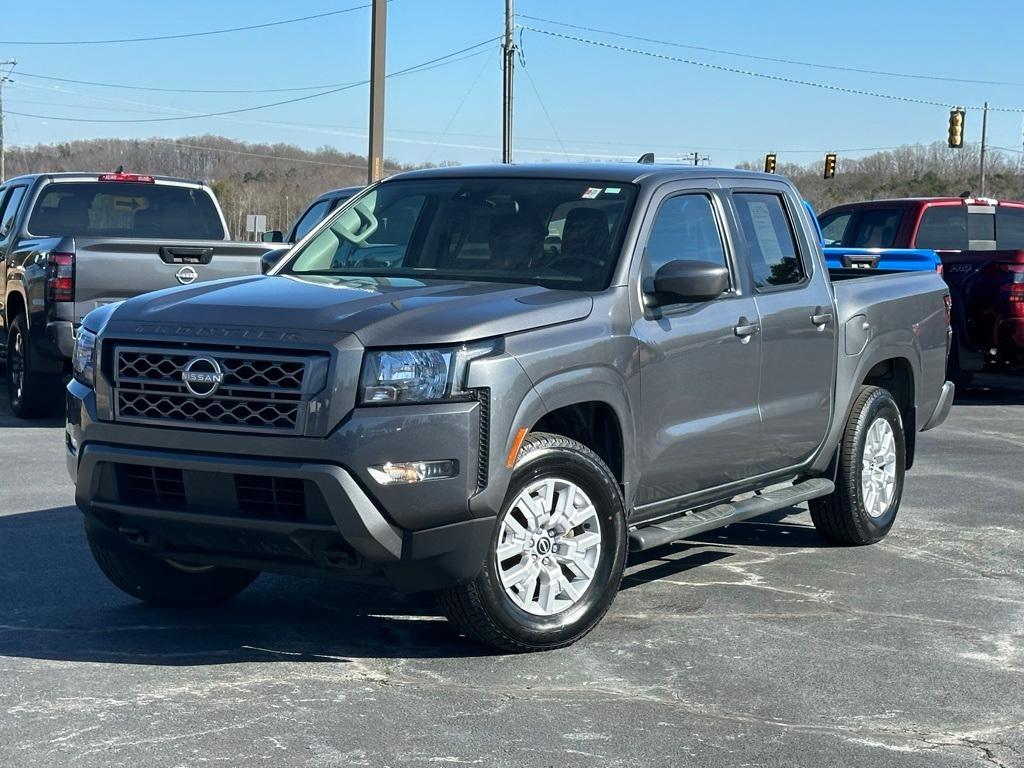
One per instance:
(162, 582)
(852, 515)
(558, 603)
(30, 392)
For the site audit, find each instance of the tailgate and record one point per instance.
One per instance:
(112, 270)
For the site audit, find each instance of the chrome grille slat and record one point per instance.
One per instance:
(259, 392)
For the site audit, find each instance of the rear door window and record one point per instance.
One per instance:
(876, 228)
(943, 227)
(126, 209)
(771, 247)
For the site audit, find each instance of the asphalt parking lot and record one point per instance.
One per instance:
(756, 645)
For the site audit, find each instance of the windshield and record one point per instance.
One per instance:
(551, 232)
(126, 209)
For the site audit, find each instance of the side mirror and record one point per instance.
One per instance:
(272, 236)
(269, 259)
(679, 281)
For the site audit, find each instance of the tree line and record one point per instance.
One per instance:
(915, 170)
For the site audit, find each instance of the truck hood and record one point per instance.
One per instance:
(379, 311)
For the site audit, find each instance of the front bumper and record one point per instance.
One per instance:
(290, 504)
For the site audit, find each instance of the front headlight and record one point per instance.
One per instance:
(83, 362)
(418, 375)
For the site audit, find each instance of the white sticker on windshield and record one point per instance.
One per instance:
(591, 193)
(612, 190)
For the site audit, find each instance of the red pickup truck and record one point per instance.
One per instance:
(981, 244)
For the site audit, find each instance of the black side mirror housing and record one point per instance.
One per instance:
(272, 236)
(269, 259)
(688, 281)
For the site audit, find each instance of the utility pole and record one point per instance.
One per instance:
(984, 137)
(508, 64)
(4, 79)
(378, 37)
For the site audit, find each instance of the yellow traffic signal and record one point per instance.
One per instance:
(769, 163)
(956, 128)
(830, 165)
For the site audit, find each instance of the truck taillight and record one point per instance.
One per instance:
(948, 300)
(60, 278)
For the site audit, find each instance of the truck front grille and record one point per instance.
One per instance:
(245, 391)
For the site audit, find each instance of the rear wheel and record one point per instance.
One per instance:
(166, 582)
(869, 484)
(557, 555)
(31, 393)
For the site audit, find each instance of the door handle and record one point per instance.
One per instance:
(744, 329)
(821, 318)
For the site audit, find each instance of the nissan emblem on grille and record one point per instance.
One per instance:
(202, 376)
(186, 275)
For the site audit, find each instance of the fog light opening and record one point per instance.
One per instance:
(403, 472)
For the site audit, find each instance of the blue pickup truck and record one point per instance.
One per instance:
(894, 259)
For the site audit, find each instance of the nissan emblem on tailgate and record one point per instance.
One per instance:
(202, 376)
(186, 275)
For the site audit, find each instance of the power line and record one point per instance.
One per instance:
(751, 73)
(835, 67)
(126, 87)
(189, 34)
(422, 67)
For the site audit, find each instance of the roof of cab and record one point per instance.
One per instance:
(625, 173)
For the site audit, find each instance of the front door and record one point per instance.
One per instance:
(798, 328)
(699, 362)
(10, 202)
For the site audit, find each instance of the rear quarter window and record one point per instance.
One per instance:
(1010, 227)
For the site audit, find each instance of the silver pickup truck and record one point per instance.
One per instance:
(70, 242)
(492, 383)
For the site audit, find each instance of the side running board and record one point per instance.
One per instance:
(701, 521)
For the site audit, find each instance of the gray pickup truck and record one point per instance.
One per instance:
(492, 383)
(70, 242)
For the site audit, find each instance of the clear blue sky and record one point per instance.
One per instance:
(601, 102)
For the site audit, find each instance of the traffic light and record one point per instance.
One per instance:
(956, 128)
(769, 163)
(830, 165)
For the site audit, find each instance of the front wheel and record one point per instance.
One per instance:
(557, 553)
(869, 484)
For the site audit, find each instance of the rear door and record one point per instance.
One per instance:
(699, 361)
(798, 328)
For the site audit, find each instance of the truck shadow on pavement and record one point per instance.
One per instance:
(993, 389)
(56, 605)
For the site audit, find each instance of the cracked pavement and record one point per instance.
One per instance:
(753, 645)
